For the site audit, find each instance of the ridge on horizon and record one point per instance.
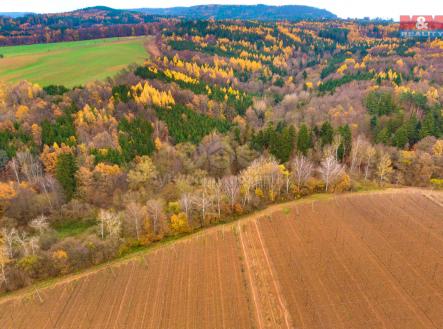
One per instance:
(216, 11)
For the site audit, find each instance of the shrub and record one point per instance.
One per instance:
(174, 207)
(343, 184)
(437, 183)
(179, 223)
(315, 185)
(55, 90)
(29, 264)
(238, 209)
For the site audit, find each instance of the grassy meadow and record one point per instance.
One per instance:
(70, 63)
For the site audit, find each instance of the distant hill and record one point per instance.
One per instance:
(253, 12)
(104, 22)
(13, 14)
(83, 24)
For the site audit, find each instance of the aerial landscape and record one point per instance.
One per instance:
(272, 165)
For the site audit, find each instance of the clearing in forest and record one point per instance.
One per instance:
(70, 63)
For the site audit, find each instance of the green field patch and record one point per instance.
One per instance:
(70, 63)
(73, 227)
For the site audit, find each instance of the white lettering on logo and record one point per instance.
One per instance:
(421, 23)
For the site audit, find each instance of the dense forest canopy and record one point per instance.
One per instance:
(224, 118)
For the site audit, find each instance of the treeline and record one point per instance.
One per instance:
(88, 33)
(91, 23)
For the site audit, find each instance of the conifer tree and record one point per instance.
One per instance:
(326, 134)
(304, 140)
(65, 172)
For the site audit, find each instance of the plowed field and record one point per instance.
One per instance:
(354, 261)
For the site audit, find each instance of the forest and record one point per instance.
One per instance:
(83, 24)
(224, 118)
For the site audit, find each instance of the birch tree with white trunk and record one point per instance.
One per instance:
(215, 189)
(231, 187)
(135, 213)
(301, 169)
(155, 209)
(9, 239)
(203, 200)
(186, 204)
(330, 170)
(109, 224)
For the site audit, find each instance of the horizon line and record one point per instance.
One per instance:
(209, 4)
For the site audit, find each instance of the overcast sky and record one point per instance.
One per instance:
(342, 8)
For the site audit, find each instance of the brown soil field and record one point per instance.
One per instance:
(371, 260)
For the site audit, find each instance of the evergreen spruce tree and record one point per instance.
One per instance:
(304, 140)
(374, 122)
(428, 127)
(400, 138)
(346, 145)
(281, 144)
(135, 138)
(66, 168)
(412, 127)
(383, 136)
(326, 134)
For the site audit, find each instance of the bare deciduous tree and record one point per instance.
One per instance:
(368, 156)
(301, 169)
(336, 144)
(23, 240)
(40, 224)
(33, 244)
(16, 169)
(384, 167)
(48, 184)
(155, 211)
(215, 189)
(135, 213)
(9, 240)
(186, 204)
(29, 166)
(330, 170)
(231, 186)
(355, 152)
(203, 199)
(109, 224)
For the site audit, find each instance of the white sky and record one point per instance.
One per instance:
(342, 8)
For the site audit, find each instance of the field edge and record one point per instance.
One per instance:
(241, 220)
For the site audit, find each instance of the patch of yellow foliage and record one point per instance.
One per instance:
(107, 170)
(146, 94)
(7, 191)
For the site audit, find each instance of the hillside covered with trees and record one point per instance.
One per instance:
(243, 12)
(84, 24)
(225, 118)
